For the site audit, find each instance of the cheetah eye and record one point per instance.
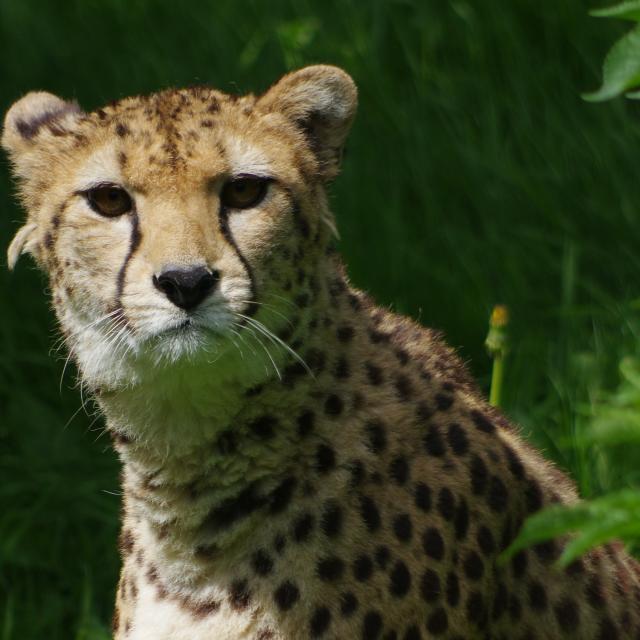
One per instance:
(244, 192)
(109, 200)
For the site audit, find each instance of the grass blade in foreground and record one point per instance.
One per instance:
(621, 69)
(616, 515)
(625, 11)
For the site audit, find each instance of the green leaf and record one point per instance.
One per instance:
(616, 515)
(621, 69)
(598, 533)
(634, 95)
(626, 11)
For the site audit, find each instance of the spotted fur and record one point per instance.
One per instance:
(297, 462)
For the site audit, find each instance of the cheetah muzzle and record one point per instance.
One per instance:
(298, 463)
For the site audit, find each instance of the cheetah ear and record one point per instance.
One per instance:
(21, 243)
(33, 114)
(322, 101)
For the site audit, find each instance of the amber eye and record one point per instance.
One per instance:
(109, 200)
(244, 192)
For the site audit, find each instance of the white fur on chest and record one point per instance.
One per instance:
(156, 619)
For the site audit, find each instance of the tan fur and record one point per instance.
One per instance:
(297, 462)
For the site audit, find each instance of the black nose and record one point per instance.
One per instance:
(186, 288)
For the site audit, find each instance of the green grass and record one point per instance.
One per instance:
(475, 175)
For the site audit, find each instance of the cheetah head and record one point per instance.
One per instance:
(170, 224)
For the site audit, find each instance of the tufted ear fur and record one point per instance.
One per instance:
(33, 114)
(322, 101)
(21, 243)
(22, 137)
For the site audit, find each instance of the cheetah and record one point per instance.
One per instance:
(297, 462)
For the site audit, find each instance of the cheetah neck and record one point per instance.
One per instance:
(220, 451)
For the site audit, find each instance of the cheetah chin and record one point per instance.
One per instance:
(297, 462)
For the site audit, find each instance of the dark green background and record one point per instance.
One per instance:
(474, 175)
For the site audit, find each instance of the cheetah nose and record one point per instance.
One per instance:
(186, 288)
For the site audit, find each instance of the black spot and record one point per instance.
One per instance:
(320, 621)
(402, 527)
(537, 596)
(233, 509)
(281, 495)
(433, 544)
(567, 615)
(399, 470)
(316, 360)
(473, 566)
(576, 568)
(608, 630)
(482, 422)
(333, 405)
(457, 438)
(239, 595)
(519, 564)
(362, 568)
(325, 458)
(370, 514)
(378, 336)
(399, 580)
(331, 521)
(348, 604)
(500, 601)
(403, 356)
(430, 586)
(371, 626)
(446, 504)
(286, 595)
(291, 372)
(122, 130)
(302, 527)
(412, 633)
(479, 475)
(461, 520)
(383, 555)
(377, 436)
(423, 413)
(533, 496)
(305, 423)
(341, 370)
(374, 374)
(345, 333)
(404, 387)
(263, 426)
(438, 622)
(485, 540)
(515, 465)
(515, 608)
(422, 496)
(262, 563)
(547, 551)
(498, 494)
(476, 612)
(330, 568)
(301, 300)
(595, 594)
(433, 442)
(443, 401)
(452, 589)
(279, 543)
